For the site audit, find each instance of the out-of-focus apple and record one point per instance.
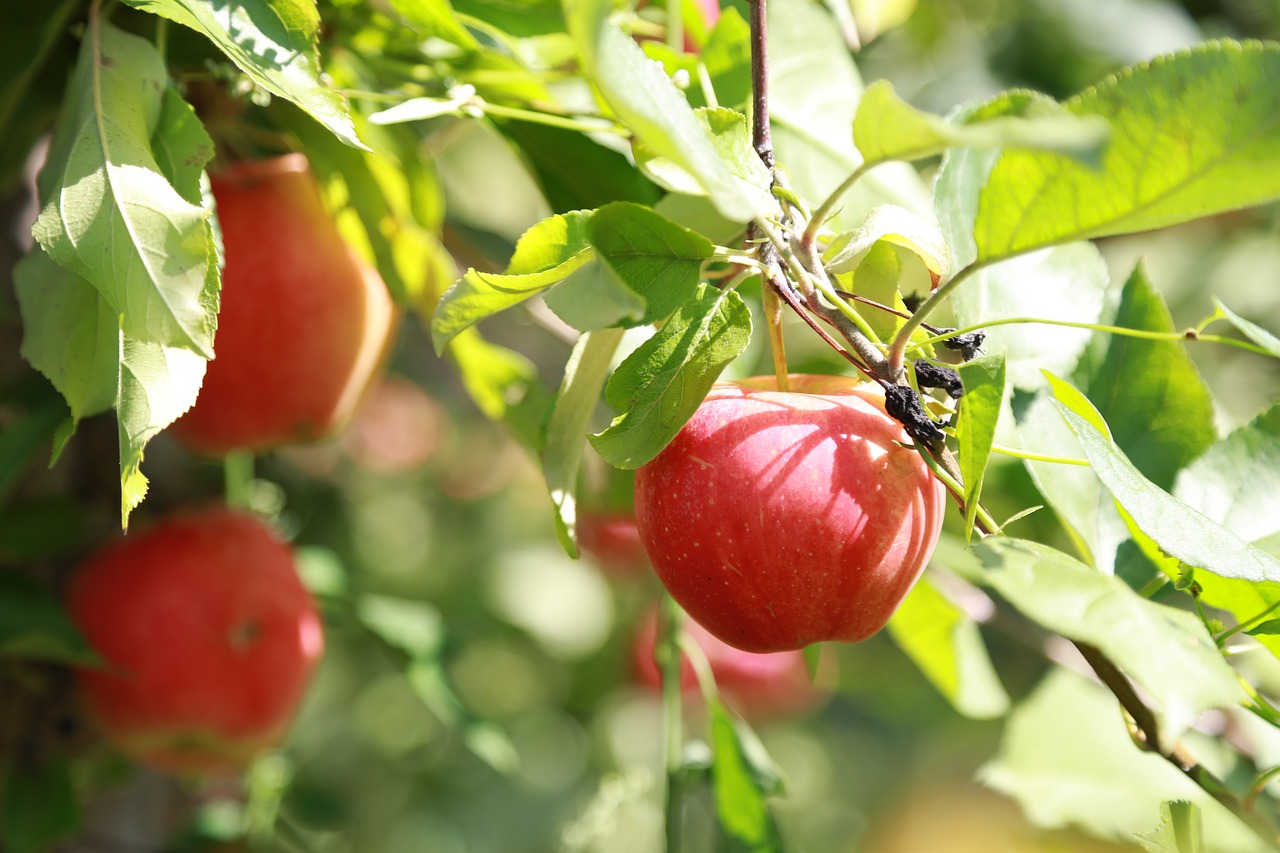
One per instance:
(304, 322)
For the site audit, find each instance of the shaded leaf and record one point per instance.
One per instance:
(111, 215)
(892, 224)
(947, 646)
(888, 128)
(495, 377)
(34, 624)
(741, 810)
(1150, 392)
(1194, 133)
(274, 43)
(593, 297)
(584, 377)
(40, 807)
(661, 384)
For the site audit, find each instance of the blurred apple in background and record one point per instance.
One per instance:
(761, 687)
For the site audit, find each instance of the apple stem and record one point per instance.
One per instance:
(667, 656)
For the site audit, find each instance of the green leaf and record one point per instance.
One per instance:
(1180, 531)
(574, 171)
(741, 810)
(891, 224)
(652, 255)
(414, 627)
(545, 254)
(947, 647)
(436, 19)
(888, 128)
(593, 297)
(1160, 410)
(1194, 133)
(584, 377)
(727, 58)
(1252, 331)
(111, 215)
(495, 377)
(649, 104)
(26, 438)
(40, 807)
(1067, 759)
(1180, 830)
(984, 383)
(1237, 484)
(41, 528)
(730, 136)
(25, 42)
(33, 624)
(274, 43)
(1167, 652)
(70, 333)
(661, 384)
(1063, 283)
(157, 385)
(814, 88)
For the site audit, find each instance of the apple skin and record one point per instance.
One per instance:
(207, 636)
(612, 541)
(761, 687)
(777, 520)
(304, 323)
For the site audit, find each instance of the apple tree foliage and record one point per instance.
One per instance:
(661, 258)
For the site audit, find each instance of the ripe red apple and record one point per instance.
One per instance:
(611, 539)
(777, 520)
(208, 640)
(304, 322)
(760, 687)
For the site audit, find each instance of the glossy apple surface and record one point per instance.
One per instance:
(208, 640)
(303, 324)
(777, 520)
(760, 687)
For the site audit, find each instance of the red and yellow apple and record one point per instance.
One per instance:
(777, 520)
(304, 322)
(207, 638)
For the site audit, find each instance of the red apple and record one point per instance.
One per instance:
(611, 539)
(760, 687)
(207, 636)
(304, 322)
(777, 520)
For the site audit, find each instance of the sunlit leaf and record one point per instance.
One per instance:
(1180, 830)
(892, 224)
(436, 18)
(888, 128)
(1067, 760)
(984, 384)
(1166, 651)
(111, 214)
(545, 254)
(1179, 530)
(1193, 134)
(272, 41)
(660, 385)
(652, 255)
(495, 377)
(650, 105)
(1252, 331)
(584, 377)
(947, 646)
